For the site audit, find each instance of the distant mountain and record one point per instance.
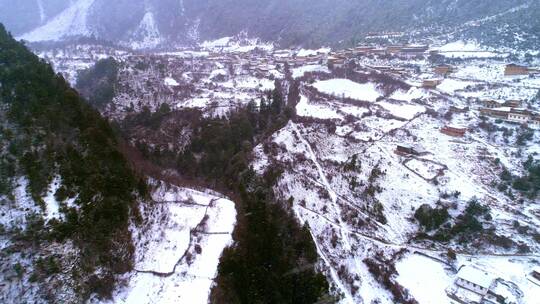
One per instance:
(150, 23)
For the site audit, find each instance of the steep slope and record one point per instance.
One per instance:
(71, 22)
(66, 192)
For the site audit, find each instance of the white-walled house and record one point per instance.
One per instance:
(475, 280)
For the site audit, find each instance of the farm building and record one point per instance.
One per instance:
(535, 121)
(409, 150)
(454, 131)
(475, 280)
(431, 83)
(443, 69)
(501, 112)
(519, 115)
(514, 69)
(497, 104)
(536, 273)
(392, 49)
(455, 109)
(336, 62)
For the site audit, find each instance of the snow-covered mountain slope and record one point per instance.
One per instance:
(296, 22)
(71, 22)
(147, 34)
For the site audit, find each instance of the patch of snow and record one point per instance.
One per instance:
(171, 82)
(300, 71)
(52, 206)
(405, 111)
(187, 219)
(305, 52)
(305, 108)
(13, 214)
(42, 15)
(425, 278)
(347, 88)
(221, 42)
(450, 86)
(410, 95)
(460, 46)
(71, 22)
(354, 111)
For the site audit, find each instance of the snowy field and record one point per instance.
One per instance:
(178, 251)
(308, 109)
(425, 278)
(349, 89)
(405, 111)
(428, 279)
(300, 71)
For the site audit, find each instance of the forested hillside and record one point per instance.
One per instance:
(66, 192)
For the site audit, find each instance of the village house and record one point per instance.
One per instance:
(454, 131)
(393, 49)
(491, 104)
(475, 280)
(413, 51)
(535, 121)
(336, 62)
(378, 51)
(536, 273)
(513, 103)
(455, 109)
(431, 83)
(387, 68)
(519, 115)
(501, 112)
(514, 69)
(363, 49)
(384, 35)
(443, 69)
(409, 150)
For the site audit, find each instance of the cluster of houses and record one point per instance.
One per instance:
(395, 50)
(262, 62)
(510, 111)
(444, 70)
(384, 35)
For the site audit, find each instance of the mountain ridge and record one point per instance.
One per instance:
(297, 22)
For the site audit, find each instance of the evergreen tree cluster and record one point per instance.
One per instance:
(50, 131)
(98, 83)
(220, 147)
(273, 257)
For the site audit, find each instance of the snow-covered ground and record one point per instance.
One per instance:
(179, 247)
(300, 71)
(353, 212)
(406, 111)
(307, 108)
(349, 89)
(425, 278)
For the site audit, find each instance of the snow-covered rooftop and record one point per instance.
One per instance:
(474, 275)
